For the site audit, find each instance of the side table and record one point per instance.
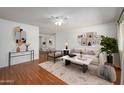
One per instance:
(66, 51)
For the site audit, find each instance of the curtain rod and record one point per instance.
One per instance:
(120, 15)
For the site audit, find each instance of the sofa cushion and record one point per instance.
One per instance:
(90, 50)
(78, 50)
(57, 54)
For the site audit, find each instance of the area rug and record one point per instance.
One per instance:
(73, 75)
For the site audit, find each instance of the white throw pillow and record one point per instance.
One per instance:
(93, 50)
(78, 50)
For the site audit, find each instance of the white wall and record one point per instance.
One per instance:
(7, 41)
(71, 36)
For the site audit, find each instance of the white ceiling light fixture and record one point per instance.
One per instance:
(58, 20)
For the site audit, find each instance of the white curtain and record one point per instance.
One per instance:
(118, 32)
(120, 36)
(122, 81)
(122, 70)
(122, 54)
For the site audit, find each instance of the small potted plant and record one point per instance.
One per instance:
(110, 46)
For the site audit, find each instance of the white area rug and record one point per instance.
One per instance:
(73, 75)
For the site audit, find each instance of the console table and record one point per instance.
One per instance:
(21, 53)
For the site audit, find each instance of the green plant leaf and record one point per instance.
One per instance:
(109, 45)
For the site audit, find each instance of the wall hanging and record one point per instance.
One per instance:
(88, 39)
(20, 37)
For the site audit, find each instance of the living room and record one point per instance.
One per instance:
(36, 47)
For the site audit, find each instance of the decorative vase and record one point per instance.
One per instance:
(27, 45)
(18, 49)
(81, 54)
(26, 48)
(66, 47)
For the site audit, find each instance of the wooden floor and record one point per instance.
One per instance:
(28, 73)
(31, 73)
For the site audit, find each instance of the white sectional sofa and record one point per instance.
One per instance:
(92, 52)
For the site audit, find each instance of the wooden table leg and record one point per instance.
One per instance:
(67, 62)
(84, 68)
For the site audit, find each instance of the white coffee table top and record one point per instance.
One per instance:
(78, 60)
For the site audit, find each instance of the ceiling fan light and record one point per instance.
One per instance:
(59, 23)
(59, 20)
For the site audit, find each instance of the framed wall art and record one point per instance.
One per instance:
(88, 39)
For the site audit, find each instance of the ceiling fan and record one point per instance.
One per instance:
(58, 20)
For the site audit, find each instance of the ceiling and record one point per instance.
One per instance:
(77, 17)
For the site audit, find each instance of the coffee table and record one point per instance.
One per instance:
(84, 61)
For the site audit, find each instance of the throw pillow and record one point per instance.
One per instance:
(91, 52)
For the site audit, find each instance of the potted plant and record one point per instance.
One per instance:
(109, 46)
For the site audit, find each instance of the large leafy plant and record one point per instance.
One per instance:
(109, 45)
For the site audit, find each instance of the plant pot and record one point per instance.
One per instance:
(110, 59)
